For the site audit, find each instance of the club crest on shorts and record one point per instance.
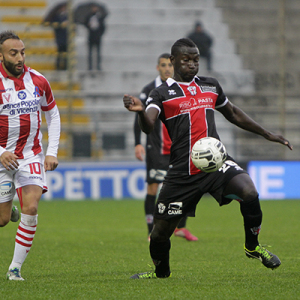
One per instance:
(161, 208)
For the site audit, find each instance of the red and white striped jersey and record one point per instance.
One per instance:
(21, 102)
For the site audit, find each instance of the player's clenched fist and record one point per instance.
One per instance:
(133, 103)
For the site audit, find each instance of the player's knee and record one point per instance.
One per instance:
(250, 195)
(29, 209)
(160, 232)
(158, 235)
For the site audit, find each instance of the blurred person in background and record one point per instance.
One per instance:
(95, 23)
(157, 151)
(59, 23)
(204, 43)
(24, 94)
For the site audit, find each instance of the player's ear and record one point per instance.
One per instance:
(172, 58)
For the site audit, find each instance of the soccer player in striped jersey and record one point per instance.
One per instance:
(186, 105)
(157, 151)
(24, 94)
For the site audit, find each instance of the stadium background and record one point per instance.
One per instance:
(255, 58)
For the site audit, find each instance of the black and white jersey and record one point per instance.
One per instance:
(187, 110)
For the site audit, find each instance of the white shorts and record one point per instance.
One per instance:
(30, 172)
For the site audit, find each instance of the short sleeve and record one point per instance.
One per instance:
(154, 100)
(48, 101)
(222, 99)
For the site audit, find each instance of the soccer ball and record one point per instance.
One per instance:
(208, 154)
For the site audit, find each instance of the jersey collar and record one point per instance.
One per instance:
(158, 81)
(170, 81)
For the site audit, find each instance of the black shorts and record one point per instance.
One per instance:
(180, 194)
(157, 167)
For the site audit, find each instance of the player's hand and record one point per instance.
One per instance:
(133, 103)
(139, 152)
(279, 139)
(50, 163)
(9, 160)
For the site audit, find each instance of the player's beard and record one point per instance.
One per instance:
(12, 68)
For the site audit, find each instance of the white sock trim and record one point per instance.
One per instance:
(29, 220)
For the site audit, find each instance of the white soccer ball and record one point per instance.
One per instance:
(208, 154)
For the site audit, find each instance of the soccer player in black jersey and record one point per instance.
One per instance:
(186, 104)
(158, 146)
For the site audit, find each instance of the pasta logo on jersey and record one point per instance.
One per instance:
(193, 104)
(205, 100)
(22, 95)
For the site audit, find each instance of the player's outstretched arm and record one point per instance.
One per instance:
(236, 116)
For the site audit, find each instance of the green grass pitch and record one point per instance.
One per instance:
(89, 249)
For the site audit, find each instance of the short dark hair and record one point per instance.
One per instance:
(198, 24)
(164, 55)
(184, 42)
(6, 35)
